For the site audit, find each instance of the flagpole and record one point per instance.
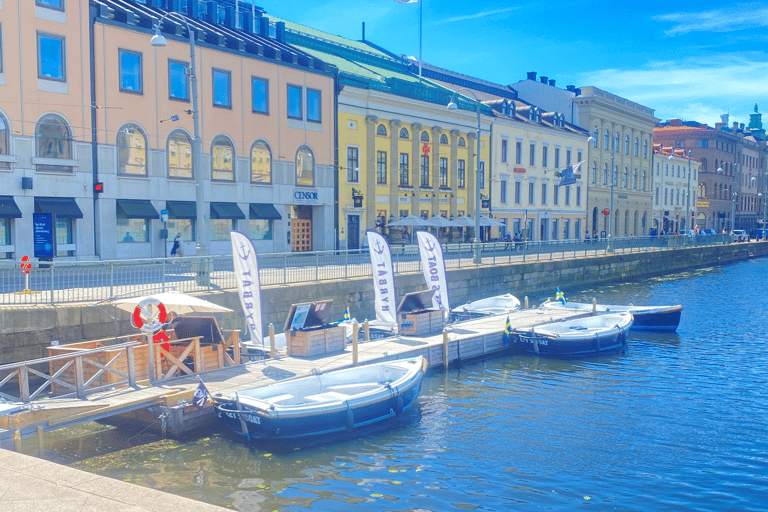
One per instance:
(421, 2)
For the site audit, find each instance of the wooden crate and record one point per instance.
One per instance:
(420, 323)
(314, 342)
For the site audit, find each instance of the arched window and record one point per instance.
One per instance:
(626, 144)
(131, 150)
(179, 154)
(261, 162)
(512, 110)
(462, 142)
(634, 179)
(594, 172)
(616, 143)
(645, 149)
(424, 136)
(4, 141)
(605, 174)
(403, 133)
(54, 141)
(637, 148)
(594, 137)
(634, 229)
(645, 181)
(381, 130)
(624, 181)
(305, 167)
(222, 159)
(443, 139)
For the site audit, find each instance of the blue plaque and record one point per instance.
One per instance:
(43, 234)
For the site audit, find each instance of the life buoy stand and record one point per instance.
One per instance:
(154, 322)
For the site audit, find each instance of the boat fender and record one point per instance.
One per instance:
(597, 344)
(398, 405)
(350, 419)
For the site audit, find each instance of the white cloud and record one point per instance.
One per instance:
(483, 14)
(740, 17)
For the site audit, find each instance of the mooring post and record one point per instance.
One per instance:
(526, 302)
(272, 341)
(40, 442)
(355, 334)
(594, 306)
(17, 440)
(445, 349)
(367, 330)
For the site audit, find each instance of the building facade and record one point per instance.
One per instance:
(675, 191)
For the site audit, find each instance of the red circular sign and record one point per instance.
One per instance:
(606, 212)
(25, 264)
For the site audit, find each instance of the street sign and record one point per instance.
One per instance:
(606, 212)
(163, 215)
(25, 264)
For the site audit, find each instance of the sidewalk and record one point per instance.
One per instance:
(29, 484)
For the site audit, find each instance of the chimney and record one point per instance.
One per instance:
(735, 126)
(280, 31)
(263, 26)
(552, 83)
(543, 79)
(531, 75)
(741, 126)
(571, 88)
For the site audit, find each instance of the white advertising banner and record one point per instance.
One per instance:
(248, 285)
(383, 278)
(434, 269)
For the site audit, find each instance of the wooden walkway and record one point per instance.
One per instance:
(168, 405)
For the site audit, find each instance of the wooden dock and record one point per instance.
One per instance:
(167, 406)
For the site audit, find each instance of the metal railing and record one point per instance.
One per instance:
(93, 281)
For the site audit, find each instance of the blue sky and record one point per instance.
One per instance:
(684, 59)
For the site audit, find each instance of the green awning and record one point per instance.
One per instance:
(181, 209)
(8, 207)
(264, 211)
(137, 209)
(64, 207)
(226, 211)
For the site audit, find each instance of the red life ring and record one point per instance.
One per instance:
(154, 323)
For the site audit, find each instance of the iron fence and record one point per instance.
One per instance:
(93, 281)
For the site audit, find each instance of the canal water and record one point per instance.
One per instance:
(678, 422)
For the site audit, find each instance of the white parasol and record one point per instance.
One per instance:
(181, 303)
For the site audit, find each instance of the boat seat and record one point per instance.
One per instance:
(279, 398)
(328, 396)
(359, 384)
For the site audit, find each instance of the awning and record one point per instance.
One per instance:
(264, 211)
(226, 211)
(181, 209)
(8, 207)
(137, 208)
(65, 207)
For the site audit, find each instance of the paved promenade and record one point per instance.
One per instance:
(29, 484)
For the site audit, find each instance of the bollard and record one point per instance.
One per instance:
(272, 350)
(594, 306)
(445, 349)
(367, 330)
(17, 440)
(40, 442)
(355, 336)
(526, 302)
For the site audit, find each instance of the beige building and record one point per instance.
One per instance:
(675, 189)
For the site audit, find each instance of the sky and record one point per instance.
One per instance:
(684, 59)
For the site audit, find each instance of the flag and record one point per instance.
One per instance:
(569, 175)
(346, 315)
(433, 265)
(201, 395)
(507, 332)
(560, 296)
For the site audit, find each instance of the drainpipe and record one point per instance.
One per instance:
(94, 134)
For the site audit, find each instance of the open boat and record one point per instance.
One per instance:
(324, 403)
(581, 337)
(647, 318)
(497, 305)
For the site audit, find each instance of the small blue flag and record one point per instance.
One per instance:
(346, 315)
(201, 395)
(507, 332)
(174, 118)
(561, 296)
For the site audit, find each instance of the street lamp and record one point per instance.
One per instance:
(453, 106)
(612, 214)
(688, 194)
(202, 228)
(733, 200)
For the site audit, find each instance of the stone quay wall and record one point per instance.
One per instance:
(25, 332)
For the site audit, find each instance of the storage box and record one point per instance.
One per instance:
(308, 333)
(415, 316)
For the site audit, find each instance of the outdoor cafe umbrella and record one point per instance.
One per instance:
(411, 221)
(487, 221)
(442, 222)
(181, 303)
(464, 222)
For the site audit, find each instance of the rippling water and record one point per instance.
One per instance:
(679, 422)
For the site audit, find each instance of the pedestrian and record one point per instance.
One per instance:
(177, 250)
(127, 237)
(586, 237)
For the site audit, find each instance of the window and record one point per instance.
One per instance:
(634, 179)
(305, 167)
(644, 181)
(605, 174)
(578, 156)
(381, 167)
(443, 139)
(353, 165)
(702, 142)
(130, 71)
(222, 159)
(381, 130)
(179, 151)
(556, 193)
(5, 235)
(645, 149)
(616, 143)
(221, 228)
(222, 88)
(462, 174)
(531, 193)
(503, 191)
(532, 154)
(404, 173)
(54, 141)
(51, 51)
(462, 142)
(131, 151)
(594, 172)
(543, 193)
(606, 138)
(424, 169)
(504, 150)
(53, 4)
(4, 140)
(518, 192)
(545, 156)
(557, 158)
(178, 85)
(314, 110)
(131, 230)
(1, 47)
(261, 163)
(443, 172)
(403, 133)
(518, 152)
(481, 176)
(594, 137)
(637, 147)
(261, 229)
(567, 196)
(64, 235)
(259, 95)
(294, 102)
(567, 157)
(626, 144)
(578, 195)
(424, 137)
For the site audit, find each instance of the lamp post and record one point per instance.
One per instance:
(202, 228)
(688, 194)
(453, 106)
(612, 214)
(733, 199)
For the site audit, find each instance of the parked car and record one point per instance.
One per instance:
(709, 232)
(739, 235)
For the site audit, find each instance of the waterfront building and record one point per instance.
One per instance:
(733, 169)
(675, 176)
(98, 129)
(619, 157)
